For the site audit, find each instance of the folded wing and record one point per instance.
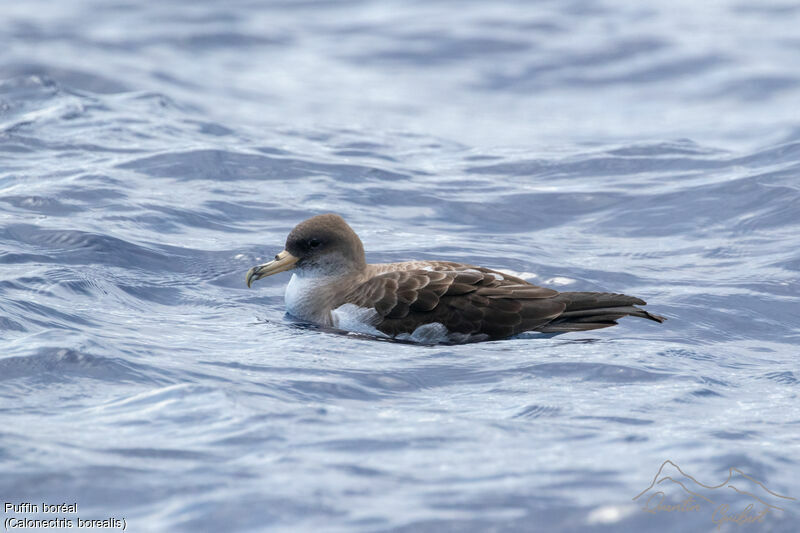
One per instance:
(471, 301)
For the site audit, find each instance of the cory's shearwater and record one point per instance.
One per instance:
(438, 301)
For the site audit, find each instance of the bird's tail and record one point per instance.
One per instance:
(595, 310)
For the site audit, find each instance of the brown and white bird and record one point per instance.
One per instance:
(425, 301)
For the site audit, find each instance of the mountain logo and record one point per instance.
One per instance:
(740, 499)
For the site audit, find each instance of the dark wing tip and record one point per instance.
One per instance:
(658, 318)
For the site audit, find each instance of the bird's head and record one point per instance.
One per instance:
(321, 246)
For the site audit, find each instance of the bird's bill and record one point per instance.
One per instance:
(283, 261)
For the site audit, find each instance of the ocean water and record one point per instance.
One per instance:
(152, 152)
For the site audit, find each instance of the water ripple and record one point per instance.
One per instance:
(153, 152)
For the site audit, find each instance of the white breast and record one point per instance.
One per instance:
(301, 298)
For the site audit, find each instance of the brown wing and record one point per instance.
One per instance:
(470, 301)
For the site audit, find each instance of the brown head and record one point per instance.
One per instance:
(323, 245)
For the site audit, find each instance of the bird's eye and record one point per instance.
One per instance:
(313, 243)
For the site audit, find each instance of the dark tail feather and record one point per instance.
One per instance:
(595, 310)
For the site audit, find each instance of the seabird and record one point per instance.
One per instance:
(428, 301)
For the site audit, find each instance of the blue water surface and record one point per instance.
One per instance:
(151, 152)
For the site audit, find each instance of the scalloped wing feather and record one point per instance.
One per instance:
(469, 301)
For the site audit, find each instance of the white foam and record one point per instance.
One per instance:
(522, 275)
(558, 280)
(435, 333)
(427, 333)
(351, 317)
